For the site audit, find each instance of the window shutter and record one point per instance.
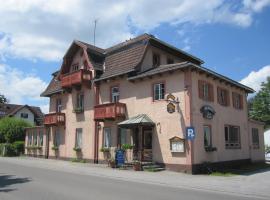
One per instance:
(219, 95)
(233, 99)
(227, 98)
(241, 101)
(211, 92)
(200, 89)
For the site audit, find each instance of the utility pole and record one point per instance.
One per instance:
(95, 21)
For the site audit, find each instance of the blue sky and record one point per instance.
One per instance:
(232, 38)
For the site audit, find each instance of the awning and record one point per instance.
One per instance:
(139, 120)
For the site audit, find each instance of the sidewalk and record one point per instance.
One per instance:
(252, 185)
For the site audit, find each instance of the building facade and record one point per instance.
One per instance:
(149, 95)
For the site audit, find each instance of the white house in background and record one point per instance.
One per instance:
(31, 114)
(267, 137)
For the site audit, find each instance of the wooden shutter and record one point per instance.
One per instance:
(241, 101)
(219, 95)
(200, 89)
(233, 99)
(211, 92)
(227, 98)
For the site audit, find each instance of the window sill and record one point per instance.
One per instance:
(157, 101)
(210, 149)
(78, 110)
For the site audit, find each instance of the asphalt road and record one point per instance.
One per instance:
(19, 182)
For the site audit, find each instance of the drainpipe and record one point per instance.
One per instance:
(96, 90)
(47, 142)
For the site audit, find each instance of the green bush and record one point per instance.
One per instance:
(12, 129)
(19, 147)
(127, 146)
(7, 150)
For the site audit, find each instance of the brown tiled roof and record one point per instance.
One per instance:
(118, 59)
(53, 87)
(11, 109)
(122, 61)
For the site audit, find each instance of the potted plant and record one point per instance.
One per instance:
(105, 149)
(126, 146)
(78, 110)
(55, 148)
(137, 165)
(112, 163)
(77, 149)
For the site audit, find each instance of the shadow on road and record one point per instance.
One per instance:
(8, 180)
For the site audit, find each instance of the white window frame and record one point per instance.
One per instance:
(58, 105)
(210, 135)
(78, 139)
(57, 138)
(107, 139)
(115, 94)
(158, 89)
(80, 101)
(229, 144)
(255, 144)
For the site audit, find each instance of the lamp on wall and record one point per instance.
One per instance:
(159, 125)
(99, 126)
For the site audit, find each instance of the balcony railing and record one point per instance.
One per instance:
(110, 111)
(54, 119)
(75, 78)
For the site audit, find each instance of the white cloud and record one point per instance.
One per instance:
(255, 78)
(43, 29)
(22, 88)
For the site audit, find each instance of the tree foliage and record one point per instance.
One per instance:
(12, 129)
(259, 106)
(3, 99)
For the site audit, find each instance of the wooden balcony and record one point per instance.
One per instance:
(110, 111)
(76, 78)
(53, 119)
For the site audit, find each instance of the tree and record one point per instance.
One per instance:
(260, 104)
(3, 99)
(12, 129)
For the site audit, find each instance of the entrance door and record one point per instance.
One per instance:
(147, 145)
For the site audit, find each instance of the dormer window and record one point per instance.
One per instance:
(156, 60)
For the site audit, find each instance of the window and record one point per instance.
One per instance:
(58, 105)
(107, 137)
(255, 138)
(56, 140)
(237, 100)
(156, 60)
(123, 136)
(170, 61)
(75, 67)
(24, 115)
(205, 91)
(207, 136)
(223, 96)
(78, 139)
(115, 94)
(232, 137)
(41, 138)
(159, 91)
(80, 101)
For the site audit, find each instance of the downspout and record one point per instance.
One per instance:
(188, 120)
(96, 90)
(47, 142)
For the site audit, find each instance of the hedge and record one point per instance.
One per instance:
(14, 149)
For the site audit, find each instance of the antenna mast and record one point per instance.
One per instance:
(95, 21)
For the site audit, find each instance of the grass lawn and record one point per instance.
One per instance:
(242, 170)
